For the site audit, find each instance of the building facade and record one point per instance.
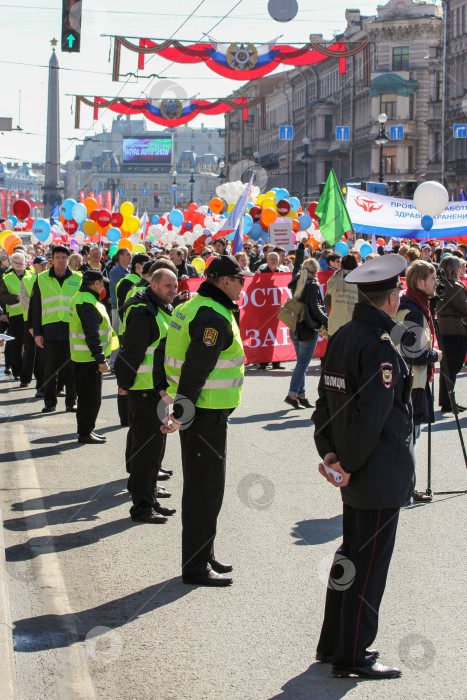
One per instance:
(456, 95)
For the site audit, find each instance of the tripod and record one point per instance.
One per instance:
(452, 400)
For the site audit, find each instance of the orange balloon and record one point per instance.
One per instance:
(216, 205)
(313, 242)
(96, 238)
(11, 243)
(89, 227)
(90, 204)
(268, 216)
(7, 240)
(125, 243)
(295, 226)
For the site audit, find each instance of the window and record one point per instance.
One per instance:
(389, 159)
(400, 58)
(327, 168)
(410, 160)
(388, 105)
(436, 147)
(439, 86)
(328, 126)
(411, 114)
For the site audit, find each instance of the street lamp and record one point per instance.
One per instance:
(174, 185)
(381, 140)
(221, 175)
(192, 182)
(306, 157)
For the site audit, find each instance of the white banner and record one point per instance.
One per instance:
(280, 233)
(389, 216)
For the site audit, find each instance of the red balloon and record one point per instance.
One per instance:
(104, 217)
(255, 213)
(70, 226)
(21, 209)
(193, 207)
(312, 208)
(29, 223)
(283, 207)
(381, 241)
(210, 259)
(169, 227)
(116, 219)
(94, 214)
(161, 220)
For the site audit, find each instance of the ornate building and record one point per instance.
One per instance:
(456, 95)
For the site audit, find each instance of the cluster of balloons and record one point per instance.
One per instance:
(362, 246)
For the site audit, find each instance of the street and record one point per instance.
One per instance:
(97, 605)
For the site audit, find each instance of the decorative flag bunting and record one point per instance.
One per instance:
(241, 60)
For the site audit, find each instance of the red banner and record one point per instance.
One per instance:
(81, 196)
(265, 338)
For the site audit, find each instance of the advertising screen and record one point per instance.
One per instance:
(157, 151)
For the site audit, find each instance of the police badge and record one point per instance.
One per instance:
(210, 337)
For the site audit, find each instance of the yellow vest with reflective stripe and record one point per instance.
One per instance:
(223, 387)
(79, 349)
(132, 277)
(13, 284)
(55, 299)
(28, 285)
(144, 379)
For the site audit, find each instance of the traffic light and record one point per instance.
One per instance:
(71, 26)
(156, 199)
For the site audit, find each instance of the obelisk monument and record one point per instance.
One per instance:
(52, 150)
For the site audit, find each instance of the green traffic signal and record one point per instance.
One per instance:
(71, 26)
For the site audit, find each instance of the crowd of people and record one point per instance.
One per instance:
(179, 366)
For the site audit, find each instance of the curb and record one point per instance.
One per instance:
(7, 653)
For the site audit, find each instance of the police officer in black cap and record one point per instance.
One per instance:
(204, 367)
(363, 431)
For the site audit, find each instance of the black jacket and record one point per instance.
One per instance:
(186, 269)
(123, 288)
(362, 413)
(200, 359)
(51, 331)
(141, 330)
(91, 320)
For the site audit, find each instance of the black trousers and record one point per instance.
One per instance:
(89, 390)
(16, 329)
(33, 360)
(455, 347)
(122, 402)
(145, 448)
(204, 445)
(57, 360)
(356, 585)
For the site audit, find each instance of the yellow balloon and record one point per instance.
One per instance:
(230, 207)
(89, 227)
(126, 209)
(270, 195)
(269, 204)
(199, 265)
(3, 236)
(259, 199)
(131, 224)
(139, 248)
(292, 214)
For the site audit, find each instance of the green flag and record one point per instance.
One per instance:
(333, 214)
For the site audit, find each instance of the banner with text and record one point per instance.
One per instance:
(265, 338)
(398, 218)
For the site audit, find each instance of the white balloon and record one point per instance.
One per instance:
(164, 239)
(49, 239)
(79, 237)
(430, 198)
(318, 236)
(8, 225)
(215, 226)
(179, 240)
(171, 236)
(204, 209)
(198, 229)
(34, 239)
(358, 243)
(208, 221)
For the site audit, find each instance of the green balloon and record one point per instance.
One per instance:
(113, 249)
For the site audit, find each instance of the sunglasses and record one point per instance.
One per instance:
(247, 247)
(205, 255)
(241, 279)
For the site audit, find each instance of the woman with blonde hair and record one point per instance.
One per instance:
(304, 339)
(75, 262)
(242, 260)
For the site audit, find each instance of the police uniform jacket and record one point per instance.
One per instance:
(141, 330)
(363, 413)
(200, 358)
(91, 320)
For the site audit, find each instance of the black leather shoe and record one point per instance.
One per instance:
(23, 385)
(292, 402)
(162, 493)
(375, 671)
(61, 393)
(163, 476)
(327, 659)
(49, 409)
(421, 497)
(90, 440)
(102, 438)
(150, 518)
(277, 365)
(304, 402)
(71, 409)
(220, 568)
(165, 471)
(162, 510)
(209, 578)
(460, 409)
(263, 365)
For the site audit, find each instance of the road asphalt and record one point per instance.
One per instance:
(96, 602)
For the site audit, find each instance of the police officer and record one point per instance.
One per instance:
(363, 431)
(147, 317)
(33, 355)
(204, 366)
(92, 339)
(10, 286)
(50, 317)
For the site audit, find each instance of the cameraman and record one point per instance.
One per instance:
(452, 316)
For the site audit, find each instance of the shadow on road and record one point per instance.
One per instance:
(317, 531)
(260, 417)
(316, 682)
(54, 631)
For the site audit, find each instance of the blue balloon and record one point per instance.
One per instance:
(247, 223)
(281, 194)
(294, 203)
(79, 213)
(427, 222)
(67, 208)
(256, 232)
(188, 225)
(176, 217)
(14, 220)
(41, 229)
(365, 250)
(305, 222)
(113, 234)
(341, 248)
(155, 219)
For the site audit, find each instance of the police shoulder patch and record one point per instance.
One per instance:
(387, 374)
(210, 337)
(335, 381)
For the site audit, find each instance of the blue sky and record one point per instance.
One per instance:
(28, 26)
